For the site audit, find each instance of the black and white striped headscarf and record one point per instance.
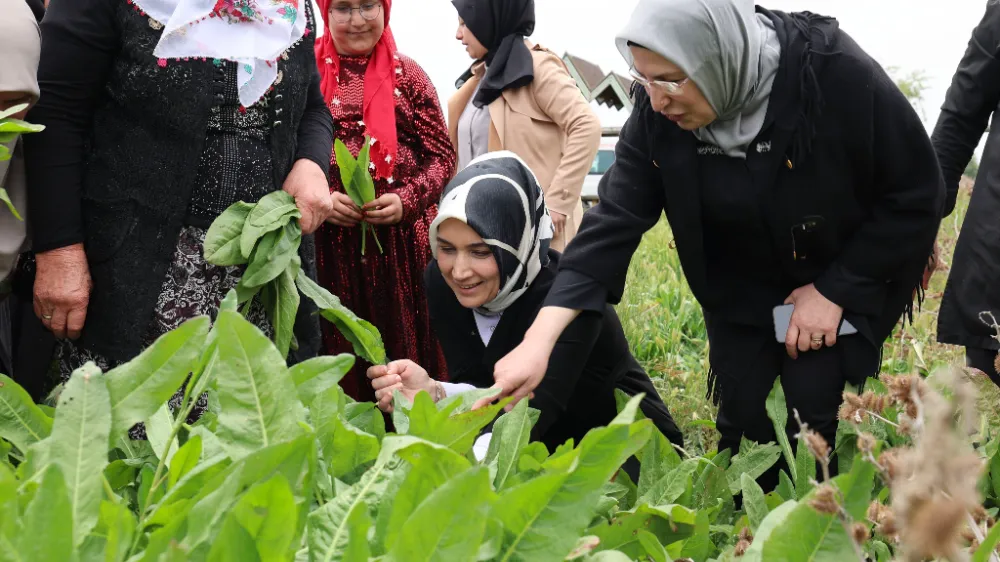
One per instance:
(498, 196)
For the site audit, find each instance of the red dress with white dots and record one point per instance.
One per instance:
(387, 289)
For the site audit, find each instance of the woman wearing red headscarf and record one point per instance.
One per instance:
(374, 91)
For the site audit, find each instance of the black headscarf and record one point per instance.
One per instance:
(501, 26)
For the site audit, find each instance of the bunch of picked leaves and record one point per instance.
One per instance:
(357, 182)
(265, 237)
(10, 128)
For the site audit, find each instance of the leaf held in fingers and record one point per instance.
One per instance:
(365, 337)
(222, 241)
(273, 207)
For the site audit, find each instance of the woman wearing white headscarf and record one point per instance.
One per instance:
(20, 45)
(160, 114)
(792, 172)
(491, 271)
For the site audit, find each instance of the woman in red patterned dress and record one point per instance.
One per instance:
(373, 90)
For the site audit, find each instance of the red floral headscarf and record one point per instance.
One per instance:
(379, 111)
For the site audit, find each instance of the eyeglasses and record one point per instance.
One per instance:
(368, 11)
(662, 86)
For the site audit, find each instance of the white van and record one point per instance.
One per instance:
(602, 161)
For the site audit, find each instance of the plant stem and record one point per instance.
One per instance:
(881, 419)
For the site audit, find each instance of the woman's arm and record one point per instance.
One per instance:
(971, 99)
(437, 160)
(905, 212)
(315, 135)
(557, 94)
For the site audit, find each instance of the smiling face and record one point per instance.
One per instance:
(467, 264)
(353, 34)
(472, 45)
(689, 108)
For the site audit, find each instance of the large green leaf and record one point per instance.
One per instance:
(117, 525)
(346, 163)
(805, 469)
(259, 403)
(657, 459)
(49, 528)
(273, 207)
(11, 125)
(222, 241)
(753, 460)
(21, 421)
(668, 523)
(450, 523)
(511, 434)
(753, 502)
(273, 256)
(458, 432)
(138, 388)
(83, 419)
(158, 430)
(699, 546)
(281, 302)
(267, 512)
(671, 486)
(345, 447)
(432, 465)
(185, 460)
(544, 516)
(365, 337)
(773, 520)
(313, 376)
(777, 410)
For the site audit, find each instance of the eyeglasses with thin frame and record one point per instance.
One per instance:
(368, 11)
(663, 86)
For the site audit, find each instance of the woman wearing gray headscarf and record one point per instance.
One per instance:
(792, 172)
(20, 45)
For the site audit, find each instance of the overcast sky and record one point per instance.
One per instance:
(912, 35)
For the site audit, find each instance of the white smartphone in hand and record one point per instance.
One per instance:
(783, 317)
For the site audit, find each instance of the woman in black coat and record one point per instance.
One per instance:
(491, 273)
(792, 171)
(159, 114)
(974, 282)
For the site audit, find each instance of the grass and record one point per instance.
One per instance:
(664, 325)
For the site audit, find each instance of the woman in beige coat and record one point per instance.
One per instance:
(520, 97)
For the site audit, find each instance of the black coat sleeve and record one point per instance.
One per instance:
(315, 136)
(896, 239)
(631, 202)
(972, 97)
(79, 41)
(566, 364)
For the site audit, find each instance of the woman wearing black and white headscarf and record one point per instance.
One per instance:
(491, 272)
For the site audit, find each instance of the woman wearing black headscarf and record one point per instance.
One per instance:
(520, 97)
(491, 272)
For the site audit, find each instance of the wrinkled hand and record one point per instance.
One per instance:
(403, 375)
(558, 223)
(345, 212)
(385, 210)
(308, 185)
(814, 316)
(519, 373)
(62, 290)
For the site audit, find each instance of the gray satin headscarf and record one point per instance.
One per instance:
(20, 46)
(727, 49)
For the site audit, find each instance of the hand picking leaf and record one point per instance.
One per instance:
(358, 183)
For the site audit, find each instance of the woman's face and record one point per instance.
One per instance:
(352, 32)
(467, 264)
(472, 45)
(688, 108)
(10, 99)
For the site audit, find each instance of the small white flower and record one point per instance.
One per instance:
(390, 180)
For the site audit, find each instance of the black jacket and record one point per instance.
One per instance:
(974, 281)
(116, 165)
(589, 361)
(840, 188)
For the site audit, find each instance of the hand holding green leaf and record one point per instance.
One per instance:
(358, 183)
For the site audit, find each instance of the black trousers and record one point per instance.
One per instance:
(746, 360)
(984, 360)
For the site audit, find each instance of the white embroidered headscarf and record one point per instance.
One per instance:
(498, 196)
(252, 33)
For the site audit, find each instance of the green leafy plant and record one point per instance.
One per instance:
(265, 237)
(358, 183)
(10, 128)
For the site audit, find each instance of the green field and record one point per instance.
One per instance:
(664, 325)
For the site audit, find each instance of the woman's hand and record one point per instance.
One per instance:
(519, 373)
(308, 185)
(345, 213)
(558, 223)
(385, 210)
(814, 322)
(62, 290)
(403, 375)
